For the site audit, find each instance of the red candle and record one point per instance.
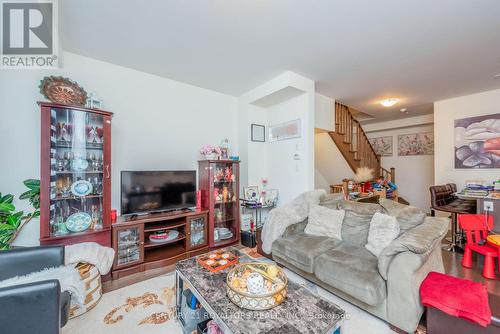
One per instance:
(113, 216)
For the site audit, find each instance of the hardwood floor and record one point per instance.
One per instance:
(135, 278)
(453, 267)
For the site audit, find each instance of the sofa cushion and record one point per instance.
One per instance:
(359, 207)
(355, 228)
(352, 270)
(325, 222)
(407, 216)
(332, 201)
(383, 229)
(301, 249)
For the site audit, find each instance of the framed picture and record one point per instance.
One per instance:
(272, 196)
(251, 193)
(416, 144)
(258, 133)
(382, 145)
(477, 142)
(287, 130)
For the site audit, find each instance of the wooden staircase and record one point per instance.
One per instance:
(354, 144)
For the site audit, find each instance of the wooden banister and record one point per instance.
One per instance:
(354, 144)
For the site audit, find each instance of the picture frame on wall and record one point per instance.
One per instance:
(416, 144)
(286, 130)
(258, 133)
(382, 145)
(477, 142)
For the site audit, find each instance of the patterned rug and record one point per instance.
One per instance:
(145, 307)
(148, 307)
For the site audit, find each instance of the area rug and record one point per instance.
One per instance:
(148, 307)
(145, 307)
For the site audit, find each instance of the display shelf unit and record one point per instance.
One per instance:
(136, 253)
(218, 182)
(75, 150)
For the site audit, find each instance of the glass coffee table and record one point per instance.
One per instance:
(301, 312)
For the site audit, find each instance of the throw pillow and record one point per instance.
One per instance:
(324, 222)
(407, 216)
(383, 230)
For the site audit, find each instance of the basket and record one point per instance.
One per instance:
(93, 289)
(257, 302)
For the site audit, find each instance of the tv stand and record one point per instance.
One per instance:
(135, 252)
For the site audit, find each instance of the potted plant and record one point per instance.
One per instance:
(210, 152)
(12, 222)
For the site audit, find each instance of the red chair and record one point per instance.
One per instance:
(476, 228)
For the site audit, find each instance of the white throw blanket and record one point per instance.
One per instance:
(68, 277)
(90, 252)
(288, 214)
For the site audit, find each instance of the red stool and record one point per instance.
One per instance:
(476, 228)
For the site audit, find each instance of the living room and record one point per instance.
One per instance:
(169, 160)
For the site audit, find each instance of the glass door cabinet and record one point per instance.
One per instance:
(75, 175)
(129, 245)
(219, 184)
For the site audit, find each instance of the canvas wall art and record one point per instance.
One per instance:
(382, 145)
(416, 144)
(477, 142)
(283, 131)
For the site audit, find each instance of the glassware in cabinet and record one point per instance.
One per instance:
(129, 245)
(75, 174)
(197, 231)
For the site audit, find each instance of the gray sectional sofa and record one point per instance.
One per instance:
(387, 286)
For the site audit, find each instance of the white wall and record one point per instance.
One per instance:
(330, 166)
(324, 113)
(284, 98)
(158, 123)
(414, 174)
(445, 112)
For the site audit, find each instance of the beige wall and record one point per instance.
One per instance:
(445, 112)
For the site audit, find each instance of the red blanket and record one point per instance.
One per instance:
(457, 297)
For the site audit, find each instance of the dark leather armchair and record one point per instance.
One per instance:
(38, 307)
(443, 199)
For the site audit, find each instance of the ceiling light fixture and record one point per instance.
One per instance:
(389, 102)
(403, 110)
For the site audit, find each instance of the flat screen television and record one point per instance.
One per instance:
(157, 191)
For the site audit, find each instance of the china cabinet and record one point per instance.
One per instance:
(75, 182)
(219, 185)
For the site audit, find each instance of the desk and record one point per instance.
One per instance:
(480, 207)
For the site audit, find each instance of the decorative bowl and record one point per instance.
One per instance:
(63, 90)
(274, 291)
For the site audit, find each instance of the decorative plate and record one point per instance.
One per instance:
(78, 222)
(63, 90)
(79, 164)
(81, 188)
(164, 236)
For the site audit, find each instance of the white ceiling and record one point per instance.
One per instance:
(357, 51)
